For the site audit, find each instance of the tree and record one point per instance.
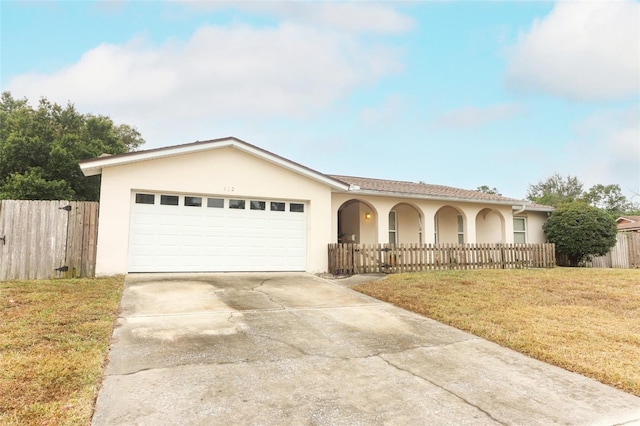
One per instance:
(555, 190)
(40, 148)
(486, 190)
(609, 198)
(580, 231)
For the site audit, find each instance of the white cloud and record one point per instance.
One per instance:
(606, 149)
(587, 50)
(471, 116)
(343, 16)
(220, 73)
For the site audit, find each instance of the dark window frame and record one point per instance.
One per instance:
(143, 198)
(299, 206)
(213, 203)
(241, 204)
(279, 206)
(192, 201)
(168, 200)
(257, 205)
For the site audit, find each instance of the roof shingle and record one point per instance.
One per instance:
(424, 189)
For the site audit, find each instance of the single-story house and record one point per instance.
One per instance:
(227, 205)
(628, 223)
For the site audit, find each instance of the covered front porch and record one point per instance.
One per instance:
(374, 220)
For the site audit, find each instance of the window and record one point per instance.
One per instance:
(236, 204)
(257, 205)
(392, 227)
(277, 206)
(169, 200)
(193, 201)
(145, 199)
(519, 230)
(217, 203)
(460, 230)
(296, 207)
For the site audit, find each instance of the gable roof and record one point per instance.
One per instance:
(628, 219)
(94, 166)
(428, 191)
(629, 226)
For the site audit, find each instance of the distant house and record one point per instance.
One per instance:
(628, 223)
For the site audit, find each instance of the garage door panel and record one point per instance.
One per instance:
(179, 238)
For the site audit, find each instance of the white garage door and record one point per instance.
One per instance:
(191, 233)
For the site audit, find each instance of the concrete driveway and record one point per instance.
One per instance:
(276, 349)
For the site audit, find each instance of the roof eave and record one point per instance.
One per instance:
(435, 198)
(531, 208)
(95, 166)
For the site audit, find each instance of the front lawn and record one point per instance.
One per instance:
(54, 337)
(583, 320)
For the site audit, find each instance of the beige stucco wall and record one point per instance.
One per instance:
(368, 229)
(448, 225)
(489, 227)
(226, 172)
(535, 220)
(408, 218)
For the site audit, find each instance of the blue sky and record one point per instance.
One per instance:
(463, 94)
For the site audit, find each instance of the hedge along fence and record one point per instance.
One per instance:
(392, 258)
(47, 239)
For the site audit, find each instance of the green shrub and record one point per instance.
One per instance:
(580, 232)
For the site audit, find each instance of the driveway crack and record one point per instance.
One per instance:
(267, 294)
(461, 398)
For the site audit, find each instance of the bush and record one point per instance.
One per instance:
(580, 232)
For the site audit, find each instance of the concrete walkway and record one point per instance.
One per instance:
(276, 349)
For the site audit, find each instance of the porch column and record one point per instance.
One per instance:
(470, 224)
(383, 208)
(428, 214)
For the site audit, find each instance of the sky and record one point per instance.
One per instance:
(456, 93)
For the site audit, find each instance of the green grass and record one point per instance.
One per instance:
(583, 320)
(54, 338)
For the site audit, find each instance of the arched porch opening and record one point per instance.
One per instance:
(449, 225)
(490, 227)
(357, 222)
(405, 225)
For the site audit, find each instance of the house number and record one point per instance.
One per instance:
(229, 188)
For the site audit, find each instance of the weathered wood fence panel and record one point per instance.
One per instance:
(625, 254)
(394, 258)
(47, 239)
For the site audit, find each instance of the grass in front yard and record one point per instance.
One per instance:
(583, 320)
(54, 337)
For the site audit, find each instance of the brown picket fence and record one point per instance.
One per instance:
(347, 259)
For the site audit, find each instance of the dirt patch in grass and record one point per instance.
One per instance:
(54, 338)
(583, 320)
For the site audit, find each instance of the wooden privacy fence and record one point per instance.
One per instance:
(392, 258)
(625, 254)
(47, 239)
